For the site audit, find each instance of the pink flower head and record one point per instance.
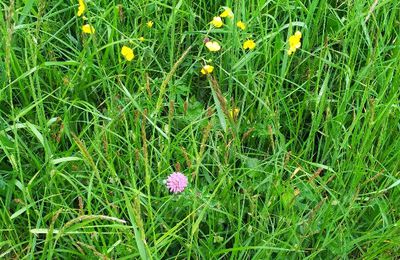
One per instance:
(177, 182)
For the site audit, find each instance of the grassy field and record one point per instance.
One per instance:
(287, 156)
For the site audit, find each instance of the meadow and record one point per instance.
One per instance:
(283, 116)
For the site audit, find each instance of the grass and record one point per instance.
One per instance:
(309, 168)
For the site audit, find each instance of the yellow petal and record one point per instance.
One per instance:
(241, 25)
(207, 69)
(141, 39)
(81, 8)
(213, 46)
(291, 50)
(127, 53)
(234, 112)
(150, 24)
(227, 13)
(294, 42)
(217, 22)
(249, 44)
(87, 28)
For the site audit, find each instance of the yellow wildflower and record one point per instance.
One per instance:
(249, 44)
(213, 46)
(234, 112)
(87, 28)
(207, 69)
(141, 39)
(227, 13)
(127, 53)
(241, 25)
(81, 8)
(294, 42)
(217, 22)
(150, 24)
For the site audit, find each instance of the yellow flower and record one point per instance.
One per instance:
(241, 25)
(249, 44)
(227, 13)
(213, 46)
(217, 22)
(207, 69)
(234, 112)
(81, 8)
(294, 42)
(141, 39)
(150, 24)
(127, 53)
(87, 28)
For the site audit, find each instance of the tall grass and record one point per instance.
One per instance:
(309, 168)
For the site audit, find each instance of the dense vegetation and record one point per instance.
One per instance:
(287, 156)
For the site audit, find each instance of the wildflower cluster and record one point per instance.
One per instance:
(214, 46)
(218, 23)
(127, 52)
(86, 28)
(177, 181)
